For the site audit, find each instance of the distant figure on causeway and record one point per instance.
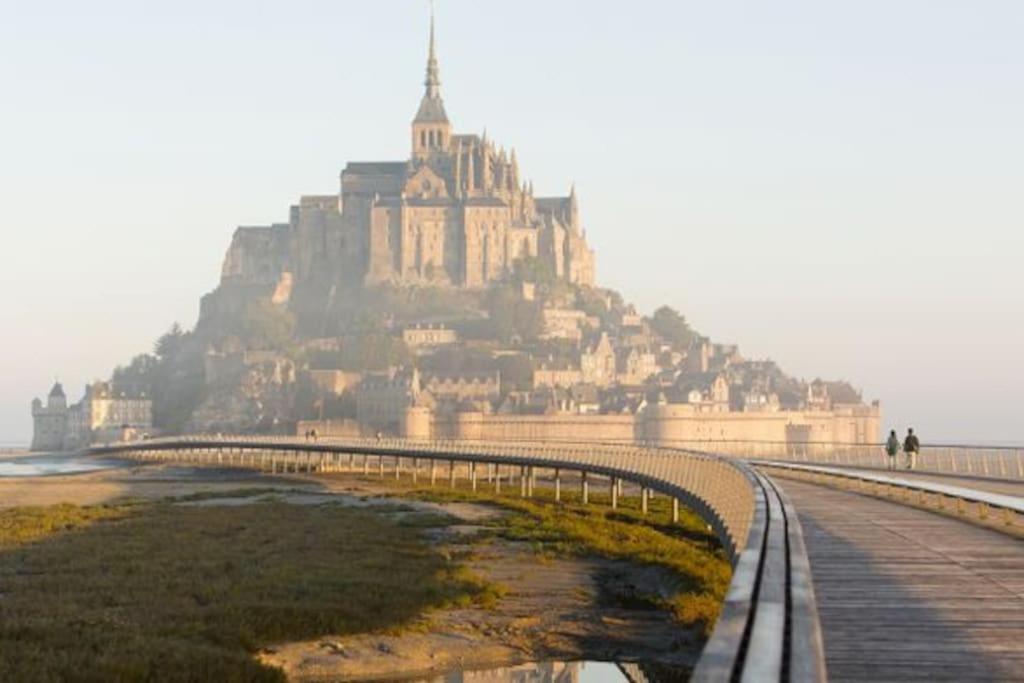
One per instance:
(911, 446)
(892, 448)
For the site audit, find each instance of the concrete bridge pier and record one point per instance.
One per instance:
(558, 485)
(645, 494)
(584, 488)
(451, 474)
(675, 511)
(615, 493)
(380, 465)
(497, 479)
(472, 476)
(433, 472)
(415, 470)
(522, 481)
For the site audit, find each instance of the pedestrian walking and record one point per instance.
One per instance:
(892, 448)
(911, 446)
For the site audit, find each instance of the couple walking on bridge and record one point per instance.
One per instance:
(911, 446)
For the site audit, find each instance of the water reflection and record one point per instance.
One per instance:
(539, 672)
(45, 465)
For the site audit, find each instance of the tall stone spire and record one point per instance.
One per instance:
(433, 82)
(431, 130)
(432, 107)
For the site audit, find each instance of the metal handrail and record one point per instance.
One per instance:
(982, 501)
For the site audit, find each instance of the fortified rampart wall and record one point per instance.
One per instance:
(662, 424)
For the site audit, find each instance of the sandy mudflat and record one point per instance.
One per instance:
(146, 482)
(554, 609)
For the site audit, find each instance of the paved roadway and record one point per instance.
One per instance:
(905, 594)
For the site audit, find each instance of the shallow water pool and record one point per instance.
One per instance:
(48, 465)
(538, 672)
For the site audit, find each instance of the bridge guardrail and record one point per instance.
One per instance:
(768, 629)
(964, 500)
(997, 462)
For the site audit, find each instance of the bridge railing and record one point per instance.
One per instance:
(1001, 510)
(997, 462)
(768, 629)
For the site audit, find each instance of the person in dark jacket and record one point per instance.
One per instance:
(911, 446)
(892, 448)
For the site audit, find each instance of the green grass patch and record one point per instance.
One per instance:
(165, 592)
(251, 492)
(688, 549)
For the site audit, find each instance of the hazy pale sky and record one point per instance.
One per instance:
(835, 185)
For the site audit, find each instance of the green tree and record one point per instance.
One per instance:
(511, 316)
(672, 326)
(169, 344)
(266, 326)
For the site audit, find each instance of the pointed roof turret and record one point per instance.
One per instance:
(57, 391)
(432, 106)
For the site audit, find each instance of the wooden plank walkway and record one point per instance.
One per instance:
(905, 594)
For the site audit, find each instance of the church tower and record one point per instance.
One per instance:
(431, 129)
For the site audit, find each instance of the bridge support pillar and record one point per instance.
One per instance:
(380, 465)
(472, 476)
(558, 485)
(451, 474)
(433, 472)
(490, 472)
(366, 464)
(615, 492)
(645, 494)
(351, 462)
(497, 479)
(398, 468)
(675, 511)
(415, 470)
(522, 481)
(584, 488)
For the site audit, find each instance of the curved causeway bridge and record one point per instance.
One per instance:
(838, 573)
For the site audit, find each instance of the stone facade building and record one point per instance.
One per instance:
(105, 413)
(428, 337)
(457, 212)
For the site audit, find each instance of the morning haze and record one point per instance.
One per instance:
(577, 342)
(833, 188)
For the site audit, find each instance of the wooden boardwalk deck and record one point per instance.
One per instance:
(905, 594)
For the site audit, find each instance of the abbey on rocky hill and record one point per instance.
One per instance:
(456, 213)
